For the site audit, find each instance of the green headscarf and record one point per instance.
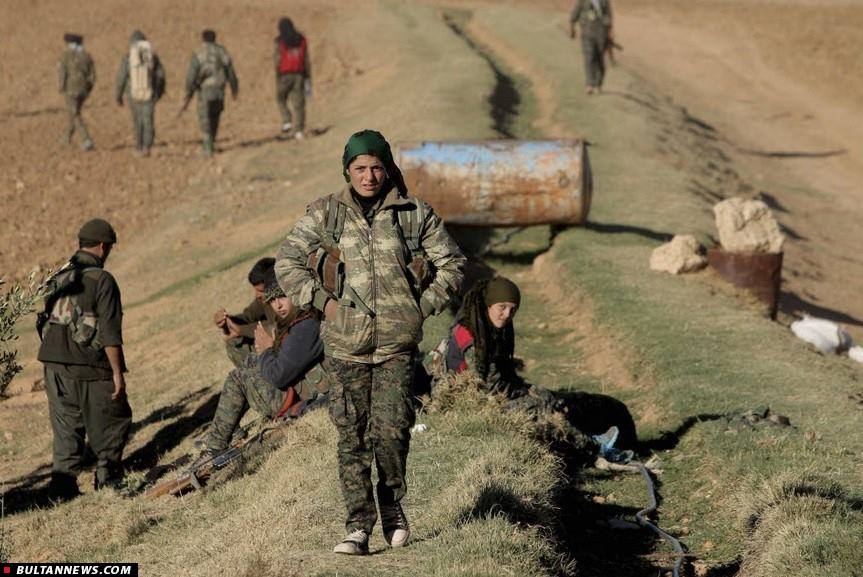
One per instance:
(373, 143)
(502, 290)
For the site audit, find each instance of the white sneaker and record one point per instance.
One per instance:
(356, 543)
(397, 531)
(286, 127)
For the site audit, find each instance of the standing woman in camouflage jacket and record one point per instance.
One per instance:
(376, 261)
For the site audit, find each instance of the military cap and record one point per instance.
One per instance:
(98, 230)
(273, 291)
(73, 38)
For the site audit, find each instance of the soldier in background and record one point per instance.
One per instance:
(293, 77)
(595, 17)
(210, 69)
(82, 351)
(77, 75)
(239, 330)
(141, 78)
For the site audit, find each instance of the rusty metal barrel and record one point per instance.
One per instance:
(501, 182)
(758, 273)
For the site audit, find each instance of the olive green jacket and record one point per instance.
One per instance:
(376, 270)
(76, 73)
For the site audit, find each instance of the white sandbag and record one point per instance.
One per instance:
(824, 335)
(856, 353)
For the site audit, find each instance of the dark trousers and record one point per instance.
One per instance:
(593, 47)
(372, 410)
(80, 409)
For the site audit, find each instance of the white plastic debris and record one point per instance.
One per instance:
(420, 428)
(824, 335)
(856, 353)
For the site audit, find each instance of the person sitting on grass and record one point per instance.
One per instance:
(279, 379)
(238, 330)
(482, 341)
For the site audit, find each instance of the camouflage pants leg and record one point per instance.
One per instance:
(593, 47)
(143, 112)
(372, 410)
(244, 388)
(76, 121)
(85, 407)
(209, 114)
(291, 99)
(238, 349)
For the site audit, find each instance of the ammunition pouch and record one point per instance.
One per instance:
(420, 273)
(325, 263)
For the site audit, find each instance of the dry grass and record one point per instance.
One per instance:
(802, 525)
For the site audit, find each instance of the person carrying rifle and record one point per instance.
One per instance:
(279, 379)
(210, 70)
(596, 37)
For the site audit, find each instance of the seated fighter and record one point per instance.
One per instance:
(482, 341)
(239, 330)
(280, 378)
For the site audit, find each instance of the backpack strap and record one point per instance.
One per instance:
(334, 222)
(411, 225)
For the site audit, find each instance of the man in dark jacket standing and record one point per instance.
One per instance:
(82, 350)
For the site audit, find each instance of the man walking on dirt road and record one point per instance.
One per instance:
(377, 262)
(141, 78)
(293, 78)
(82, 350)
(210, 69)
(77, 75)
(595, 17)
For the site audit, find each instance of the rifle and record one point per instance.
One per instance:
(192, 479)
(186, 102)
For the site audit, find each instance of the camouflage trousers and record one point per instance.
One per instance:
(209, 114)
(290, 93)
(244, 388)
(593, 48)
(238, 349)
(371, 407)
(76, 121)
(143, 128)
(80, 409)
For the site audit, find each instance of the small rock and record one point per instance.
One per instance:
(8, 436)
(682, 254)
(856, 353)
(420, 428)
(747, 226)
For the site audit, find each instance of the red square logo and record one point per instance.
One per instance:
(7, 569)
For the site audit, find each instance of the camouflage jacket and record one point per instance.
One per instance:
(210, 69)
(591, 18)
(374, 258)
(77, 73)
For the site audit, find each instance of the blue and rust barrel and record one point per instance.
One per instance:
(501, 182)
